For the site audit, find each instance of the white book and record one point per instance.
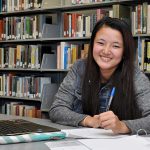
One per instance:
(142, 54)
(87, 26)
(80, 26)
(1, 86)
(148, 20)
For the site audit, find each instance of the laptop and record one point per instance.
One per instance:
(21, 126)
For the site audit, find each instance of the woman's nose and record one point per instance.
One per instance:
(106, 49)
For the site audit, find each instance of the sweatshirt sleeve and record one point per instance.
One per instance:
(142, 89)
(61, 110)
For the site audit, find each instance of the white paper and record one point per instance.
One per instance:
(91, 133)
(130, 142)
(66, 145)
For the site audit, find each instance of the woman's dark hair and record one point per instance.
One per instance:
(123, 104)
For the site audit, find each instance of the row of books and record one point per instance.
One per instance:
(81, 25)
(25, 107)
(20, 109)
(22, 86)
(18, 5)
(144, 54)
(20, 56)
(28, 27)
(68, 53)
(42, 57)
(141, 19)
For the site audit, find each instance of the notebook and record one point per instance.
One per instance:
(19, 130)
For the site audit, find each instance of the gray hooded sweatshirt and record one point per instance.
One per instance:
(67, 106)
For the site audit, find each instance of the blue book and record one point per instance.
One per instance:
(66, 57)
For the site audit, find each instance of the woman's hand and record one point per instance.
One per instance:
(108, 120)
(89, 121)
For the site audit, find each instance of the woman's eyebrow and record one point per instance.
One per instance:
(120, 43)
(100, 39)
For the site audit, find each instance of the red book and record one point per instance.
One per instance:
(139, 19)
(66, 25)
(1, 29)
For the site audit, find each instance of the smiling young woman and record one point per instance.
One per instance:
(83, 96)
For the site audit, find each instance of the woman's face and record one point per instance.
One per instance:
(108, 49)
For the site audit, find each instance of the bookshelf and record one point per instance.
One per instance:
(14, 33)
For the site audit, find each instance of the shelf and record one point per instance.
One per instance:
(20, 98)
(141, 35)
(66, 39)
(147, 72)
(45, 40)
(33, 70)
(54, 70)
(21, 41)
(44, 110)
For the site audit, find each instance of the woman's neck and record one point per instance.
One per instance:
(106, 75)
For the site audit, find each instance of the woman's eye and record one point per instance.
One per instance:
(116, 46)
(101, 43)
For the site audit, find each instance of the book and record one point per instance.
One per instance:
(46, 23)
(122, 12)
(50, 31)
(48, 93)
(49, 61)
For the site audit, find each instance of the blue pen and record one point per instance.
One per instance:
(110, 99)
